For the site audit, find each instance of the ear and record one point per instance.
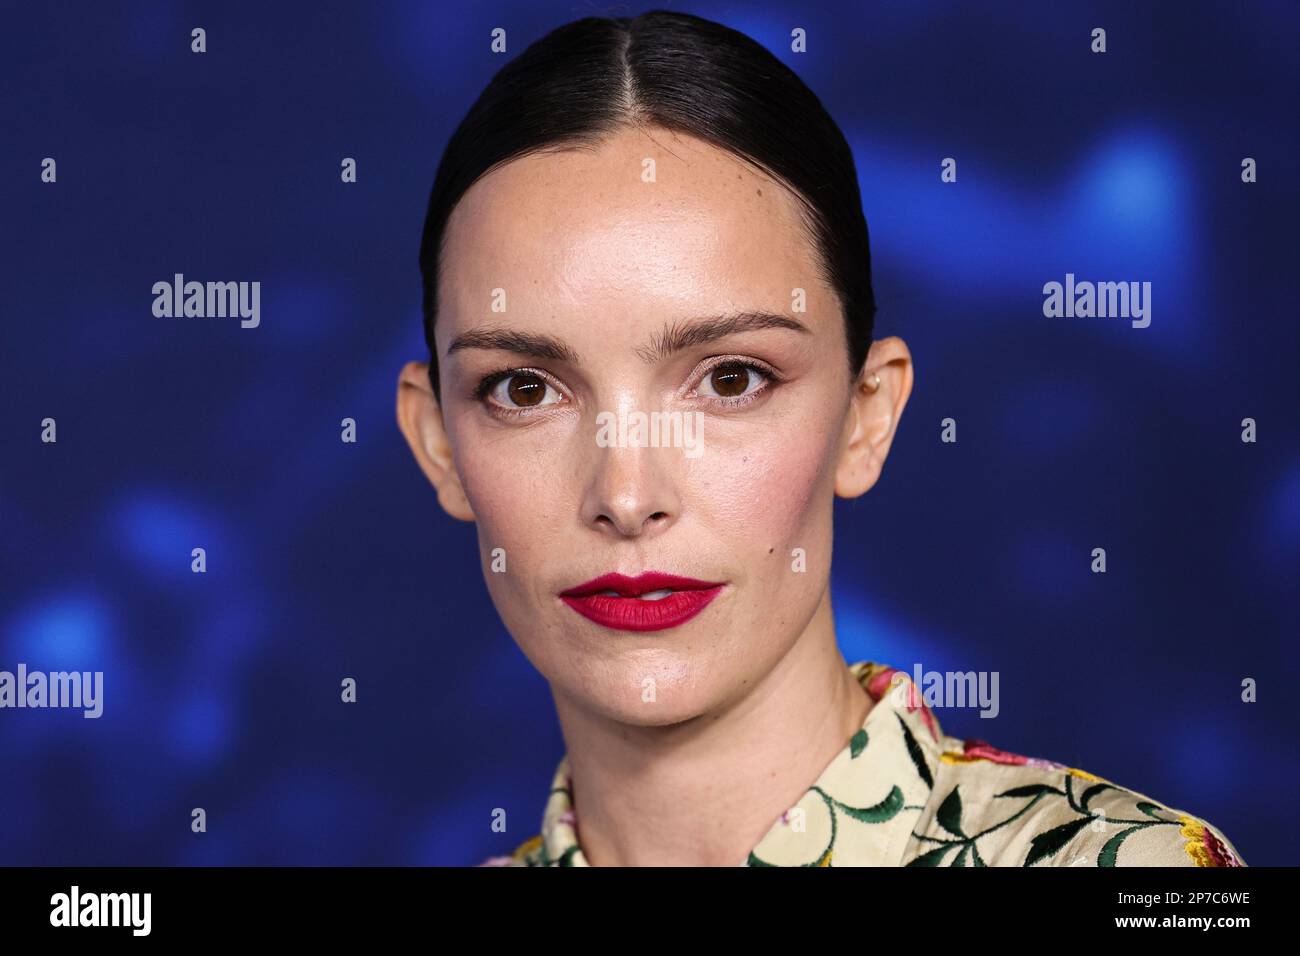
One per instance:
(873, 416)
(420, 419)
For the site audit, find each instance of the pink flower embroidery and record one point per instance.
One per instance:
(1204, 846)
(884, 680)
(983, 750)
(976, 749)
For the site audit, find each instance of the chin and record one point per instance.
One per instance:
(629, 709)
(648, 687)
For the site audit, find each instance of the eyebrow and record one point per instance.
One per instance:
(673, 338)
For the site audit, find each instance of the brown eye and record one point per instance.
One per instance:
(730, 379)
(523, 390)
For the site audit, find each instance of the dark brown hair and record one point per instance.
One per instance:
(593, 76)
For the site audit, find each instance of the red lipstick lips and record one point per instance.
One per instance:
(629, 609)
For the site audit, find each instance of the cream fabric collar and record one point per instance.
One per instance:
(859, 812)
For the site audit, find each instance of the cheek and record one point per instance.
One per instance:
(517, 495)
(772, 488)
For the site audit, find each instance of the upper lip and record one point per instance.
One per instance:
(643, 583)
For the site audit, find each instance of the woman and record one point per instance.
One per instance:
(648, 304)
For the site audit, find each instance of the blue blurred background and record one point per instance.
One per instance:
(328, 560)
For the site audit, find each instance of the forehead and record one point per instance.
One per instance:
(646, 223)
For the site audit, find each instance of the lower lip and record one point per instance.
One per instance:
(634, 614)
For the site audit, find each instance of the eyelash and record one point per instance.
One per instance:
(771, 380)
(770, 376)
(492, 379)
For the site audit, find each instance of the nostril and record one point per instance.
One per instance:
(629, 528)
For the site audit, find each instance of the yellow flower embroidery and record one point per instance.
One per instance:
(1087, 776)
(1203, 846)
(527, 847)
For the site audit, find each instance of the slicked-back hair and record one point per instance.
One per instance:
(589, 78)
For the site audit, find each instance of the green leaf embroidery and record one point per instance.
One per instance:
(886, 809)
(1150, 810)
(1029, 790)
(914, 751)
(858, 743)
(1048, 842)
(933, 857)
(949, 813)
(1111, 850)
(1092, 791)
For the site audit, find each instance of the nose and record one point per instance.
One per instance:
(630, 492)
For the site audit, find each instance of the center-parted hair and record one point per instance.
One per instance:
(594, 76)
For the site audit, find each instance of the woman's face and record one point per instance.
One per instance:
(591, 268)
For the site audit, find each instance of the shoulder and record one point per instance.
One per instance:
(990, 807)
(528, 853)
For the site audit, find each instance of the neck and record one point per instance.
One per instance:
(705, 791)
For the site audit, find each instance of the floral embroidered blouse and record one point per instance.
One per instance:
(903, 793)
